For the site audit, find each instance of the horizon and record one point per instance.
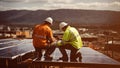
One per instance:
(110, 5)
(58, 9)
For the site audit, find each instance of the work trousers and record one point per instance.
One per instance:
(74, 53)
(48, 51)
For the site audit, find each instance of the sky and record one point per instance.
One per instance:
(113, 5)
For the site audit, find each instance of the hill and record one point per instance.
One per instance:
(73, 16)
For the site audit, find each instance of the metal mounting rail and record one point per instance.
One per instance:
(49, 64)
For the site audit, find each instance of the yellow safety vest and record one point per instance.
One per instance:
(71, 36)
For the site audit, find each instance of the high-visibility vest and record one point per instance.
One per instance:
(71, 36)
(41, 35)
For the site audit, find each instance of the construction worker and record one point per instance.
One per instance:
(71, 40)
(42, 37)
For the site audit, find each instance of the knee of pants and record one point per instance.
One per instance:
(72, 56)
(79, 55)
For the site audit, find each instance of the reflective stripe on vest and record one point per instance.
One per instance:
(40, 36)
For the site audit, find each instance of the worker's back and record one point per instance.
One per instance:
(41, 35)
(72, 36)
(75, 36)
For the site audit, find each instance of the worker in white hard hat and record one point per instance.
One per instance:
(42, 37)
(71, 40)
(49, 20)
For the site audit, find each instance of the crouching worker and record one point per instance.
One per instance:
(42, 37)
(71, 40)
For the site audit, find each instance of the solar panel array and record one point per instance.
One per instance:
(15, 49)
(25, 46)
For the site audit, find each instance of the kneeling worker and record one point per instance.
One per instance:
(42, 37)
(71, 40)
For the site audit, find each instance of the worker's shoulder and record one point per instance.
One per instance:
(48, 28)
(43, 26)
(73, 28)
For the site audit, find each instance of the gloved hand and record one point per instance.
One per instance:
(54, 43)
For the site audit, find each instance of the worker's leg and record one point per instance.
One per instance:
(78, 55)
(64, 54)
(73, 54)
(38, 53)
(49, 51)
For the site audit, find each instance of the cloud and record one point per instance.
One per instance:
(59, 1)
(82, 5)
(12, 0)
(100, 6)
(58, 4)
(45, 1)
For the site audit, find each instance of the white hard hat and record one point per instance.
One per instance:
(62, 24)
(49, 19)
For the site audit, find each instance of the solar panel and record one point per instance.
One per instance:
(5, 40)
(88, 56)
(15, 51)
(4, 45)
(92, 56)
(10, 43)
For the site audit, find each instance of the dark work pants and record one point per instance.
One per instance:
(73, 52)
(48, 51)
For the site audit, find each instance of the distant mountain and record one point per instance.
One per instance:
(69, 15)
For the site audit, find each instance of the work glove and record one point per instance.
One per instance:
(59, 42)
(56, 43)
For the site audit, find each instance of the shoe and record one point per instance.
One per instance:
(38, 59)
(73, 60)
(63, 58)
(79, 56)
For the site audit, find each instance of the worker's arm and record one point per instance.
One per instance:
(50, 36)
(66, 37)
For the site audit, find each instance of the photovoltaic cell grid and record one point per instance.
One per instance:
(88, 55)
(21, 48)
